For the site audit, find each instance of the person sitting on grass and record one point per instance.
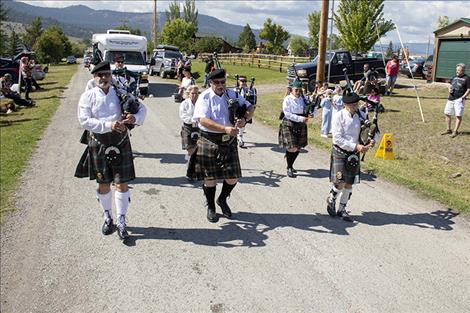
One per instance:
(6, 90)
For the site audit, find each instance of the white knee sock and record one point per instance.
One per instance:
(345, 195)
(122, 199)
(106, 203)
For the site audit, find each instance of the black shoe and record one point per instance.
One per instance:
(108, 227)
(331, 207)
(225, 208)
(345, 215)
(212, 216)
(122, 232)
(290, 173)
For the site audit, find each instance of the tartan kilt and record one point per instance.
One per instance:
(339, 172)
(93, 163)
(292, 134)
(186, 141)
(203, 162)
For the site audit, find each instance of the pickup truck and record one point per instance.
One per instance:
(339, 59)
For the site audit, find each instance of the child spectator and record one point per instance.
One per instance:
(326, 105)
(337, 102)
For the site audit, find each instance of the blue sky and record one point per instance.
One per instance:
(416, 20)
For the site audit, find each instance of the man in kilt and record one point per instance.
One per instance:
(219, 114)
(189, 130)
(345, 159)
(108, 157)
(293, 128)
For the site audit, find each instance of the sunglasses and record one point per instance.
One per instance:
(218, 82)
(120, 62)
(103, 74)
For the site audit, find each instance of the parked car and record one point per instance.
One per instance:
(9, 66)
(427, 67)
(71, 59)
(340, 60)
(12, 65)
(166, 58)
(416, 66)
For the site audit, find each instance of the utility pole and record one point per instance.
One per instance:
(322, 41)
(154, 26)
(331, 36)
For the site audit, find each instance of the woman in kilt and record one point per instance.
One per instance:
(189, 130)
(293, 128)
(108, 156)
(216, 155)
(345, 155)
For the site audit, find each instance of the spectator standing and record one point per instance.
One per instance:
(208, 69)
(391, 70)
(27, 75)
(459, 89)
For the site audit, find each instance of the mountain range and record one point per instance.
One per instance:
(81, 22)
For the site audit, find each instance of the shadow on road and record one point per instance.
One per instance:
(181, 181)
(159, 90)
(167, 158)
(248, 229)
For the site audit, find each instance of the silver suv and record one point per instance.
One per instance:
(166, 58)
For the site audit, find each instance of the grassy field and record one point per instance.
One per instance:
(263, 76)
(425, 160)
(19, 131)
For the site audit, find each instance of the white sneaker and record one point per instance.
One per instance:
(9, 111)
(324, 136)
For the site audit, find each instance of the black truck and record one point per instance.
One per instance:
(340, 59)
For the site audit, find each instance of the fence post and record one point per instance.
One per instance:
(280, 65)
(259, 63)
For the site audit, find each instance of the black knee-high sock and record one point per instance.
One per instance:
(226, 190)
(209, 192)
(295, 155)
(290, 159)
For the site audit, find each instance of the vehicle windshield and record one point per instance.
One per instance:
(130, 57)
(328, 57)
(173, 55)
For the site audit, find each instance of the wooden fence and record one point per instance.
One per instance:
(273, 62)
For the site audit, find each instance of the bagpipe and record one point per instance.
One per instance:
(236, 109)
(127, 92)
(369, 128)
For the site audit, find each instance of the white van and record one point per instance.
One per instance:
(132, 47)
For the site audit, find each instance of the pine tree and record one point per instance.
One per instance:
(13, 42)
(32, 32)
(246, 39)
(190, 13)
(173, 11)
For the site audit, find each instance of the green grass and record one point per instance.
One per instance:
(263, 76)
(19, 131)
(425, 160)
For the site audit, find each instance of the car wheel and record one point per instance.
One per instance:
(162, 73)
(172, 76)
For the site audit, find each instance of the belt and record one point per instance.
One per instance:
(337, 148)
(93, 136)
(220, 137)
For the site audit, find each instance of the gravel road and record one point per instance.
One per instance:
(280, 253)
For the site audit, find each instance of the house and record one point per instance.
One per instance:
(451, 46)
(226, 47)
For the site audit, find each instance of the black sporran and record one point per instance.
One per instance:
(113, 156)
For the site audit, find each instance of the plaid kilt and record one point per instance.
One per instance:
(93, 163)
(203, 163)
(292, 134)
(186, 141)
(339, 172)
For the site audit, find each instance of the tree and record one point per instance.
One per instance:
(275, 36)
(442, 21)
(32, 32)
(78, 48)
(13, 42)
(246, 39)
(313, 21)
(173, 11)
(208, 44)
(358, 22)
(52, 45)
(178, 32)
(3, 37)
(389, 51)
(298, 45)
(134, 31)
(190, 13)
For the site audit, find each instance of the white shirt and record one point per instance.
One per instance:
(186, 82)
(214, 107)
(187, 111)
(292, 106)
(97, 110)
(346, 130)
(90, 84)
(338, 101)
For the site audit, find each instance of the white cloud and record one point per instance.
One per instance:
(416, 20)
